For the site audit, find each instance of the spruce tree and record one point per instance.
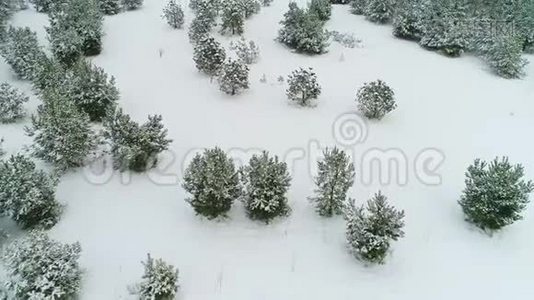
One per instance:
(504, 56)
(379, 11)
(249, 7)
(27, 195)
(209, 56)
(266, 181)
(6, 10)
(43, 6)
(321, 8)
(160, 280)
(407, 19)
(62, 134)
(41, 268)
(371, 229)
(110, 7)
(132, 4)
(357, 7)
(199, 29)
(22, 52)
(11, 103)
(303, 31)
(335, 177)
(66, 44)
(173, 14)
(303, 86)
(290, 24)
(495, 194)
(213, 182)
(376, 99)
(232, 18)
(234, 77)
(135, 147)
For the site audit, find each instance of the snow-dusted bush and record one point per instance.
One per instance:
(345, 39)
(62, 133)
(41, 268)
(335, 177)
(321, 8)
(27, 194)
(375, 99)
(233, 17)
(209, 56)
(42, 5)
(173, 14)
(247, 51)
(407, 19)
(110, 7)
(379, 11)
(132, 4)
(213, 182)
(135, 147)
(22, 52)
(303, 86)
(495, 194)
(504, 56)
(233, 77)
(11, 103)
(371, 229)
(92, 90)
(265, 180)
(160, 280)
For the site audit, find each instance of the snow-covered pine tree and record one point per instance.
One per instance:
(198, 6)
(92, 90)
(22, 52)
(62, 133)
(135, 147)
(233, 77)
(266, 2)
(504, 55)
(51, 75)
(335, 177)
(209, 56)
(43, 6)
(292, 19)
(173, 14)
(407, 19)
(371, 229)
(11, 103)
(379, 11)
(2, 151)
(66, 44)
(132, 4)
(526, 25)
(110, 7)
(213, 182)
(6, 11)
(303, 86)
(199, 29)
(357, 7)
(247, 51)
(265, 180)
(41, 268)
(495, 194)
(375, 99)
(321, 8)
(27, 195)
(233, 17)
(249, 7)
(445, 27)
(311, 37)
(160, 280)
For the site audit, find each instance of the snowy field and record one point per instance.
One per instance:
(456, 106)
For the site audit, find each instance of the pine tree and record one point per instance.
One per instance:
(22, 52)
(311, 37)
(43, 6)
(6, 10)
(247, 51)
(11, 103)
(371, 229)
(27, 195)
(41, 268)
(266, 181)
(249, 7)
(379, 11)
(135, 147)
(266, 2)
(209, 56)
(233, 18)
(357, 7)
(173, 14)
(213, 182)
(2, 151)
(335, 177)
(504, 56)
(376, 99)
(132, 4)
(110, 7)
(303, 86)
(199, 29)
(66, 44)
(495, 194)
(407, 19)
(290, 24)
(92, 91)
(321, 8)
(62, 134)
(160, 280)
(233, 77)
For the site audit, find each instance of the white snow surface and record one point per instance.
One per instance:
(455, 105)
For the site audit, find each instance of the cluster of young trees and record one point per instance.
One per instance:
(499, 31)
(214, 184)
(11, 103)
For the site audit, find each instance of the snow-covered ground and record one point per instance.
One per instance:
(453, 105)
